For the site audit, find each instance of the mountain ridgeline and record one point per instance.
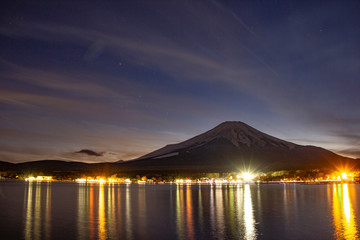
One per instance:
(229, 147)
(236, 145)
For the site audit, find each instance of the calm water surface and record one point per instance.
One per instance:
(111, 211)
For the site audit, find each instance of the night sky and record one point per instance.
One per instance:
(123, 78)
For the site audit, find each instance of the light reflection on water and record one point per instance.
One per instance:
(250, 232)
(112, 211)
(219, 212)
(82, 208)
(189, 214)
(35, 206)
(29, 208)
(129, 229)
(230, 212)
(47, 211)
(102, 221)
(344, 219)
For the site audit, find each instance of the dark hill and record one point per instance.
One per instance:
(6, 166)
(61, 168)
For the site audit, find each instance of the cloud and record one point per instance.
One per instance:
(90, 152)
(237, 66)
(79, 83)
(351, 152)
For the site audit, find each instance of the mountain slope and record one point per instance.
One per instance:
(238, 133)
(235, 145)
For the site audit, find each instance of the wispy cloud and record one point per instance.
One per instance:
(82, 84)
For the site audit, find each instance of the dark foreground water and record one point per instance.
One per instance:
(112, 211)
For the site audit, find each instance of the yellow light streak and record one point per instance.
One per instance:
(344, 219)
(102, 220)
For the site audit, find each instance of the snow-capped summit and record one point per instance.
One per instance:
(239, 134)
(236, 132)
(232, 145)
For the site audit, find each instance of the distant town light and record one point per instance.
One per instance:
(344, 176)
(247, 176)
(39, 178)
(30, 179)
(218, 181)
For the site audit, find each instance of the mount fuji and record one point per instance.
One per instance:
(235, 145)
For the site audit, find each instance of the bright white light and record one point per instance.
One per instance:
(30, 179)
(247, 176)
(217, 181)
(81, 180)
(344, 175)
(347, 207)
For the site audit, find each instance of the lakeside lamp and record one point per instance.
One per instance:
(247, 176)
(344, 176)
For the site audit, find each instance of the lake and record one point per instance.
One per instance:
(57, 210)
